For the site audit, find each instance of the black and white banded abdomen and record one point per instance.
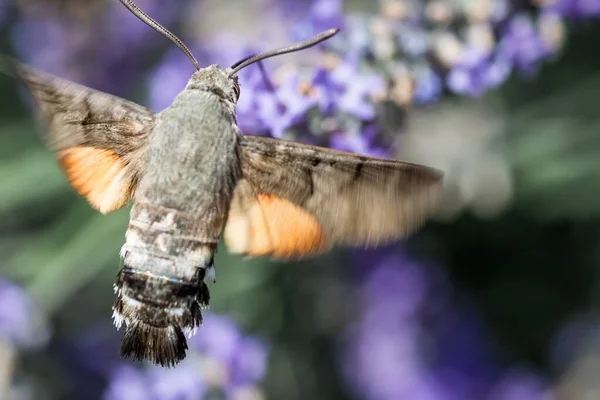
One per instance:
(161, 289)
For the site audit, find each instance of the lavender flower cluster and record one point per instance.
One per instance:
(414, 341)
(466, 47)
(409, 53)
(95, 43)
(23, 327)
(22, 324)
(221, 363)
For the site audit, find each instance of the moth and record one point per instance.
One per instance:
(192, 177)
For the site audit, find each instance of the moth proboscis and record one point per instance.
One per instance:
(192, 176)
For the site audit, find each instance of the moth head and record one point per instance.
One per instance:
(216, 80)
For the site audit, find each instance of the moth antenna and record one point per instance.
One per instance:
(290, 49)
(148, 20)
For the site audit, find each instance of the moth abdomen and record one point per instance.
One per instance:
(157, 310)
(163, 345)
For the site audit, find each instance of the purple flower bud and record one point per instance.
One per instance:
(326, 14)
(285, 107)
(219, 358)
(467, 76)
(20, 320)
(361, 140)
(428, 86)
(575, 9)
(522, 45)
(250, 363)
(183, 382)
(413, 340)
(128, 383)
(521, 384)
(44, 42)
(168, 79)
(218, 337)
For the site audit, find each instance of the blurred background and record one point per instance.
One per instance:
(495, 298)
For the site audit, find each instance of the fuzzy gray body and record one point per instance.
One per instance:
(180, 206)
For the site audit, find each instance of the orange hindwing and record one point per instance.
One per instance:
(99, 175)
(269, 225)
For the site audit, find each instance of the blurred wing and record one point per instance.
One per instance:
(98, 138)
(297, 200)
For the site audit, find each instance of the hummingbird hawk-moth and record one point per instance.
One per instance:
(192, 175)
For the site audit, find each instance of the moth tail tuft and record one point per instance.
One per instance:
(162, 345)
(203, 296)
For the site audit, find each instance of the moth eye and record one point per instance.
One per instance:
(236, 90)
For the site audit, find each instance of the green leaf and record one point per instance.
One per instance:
(94, 246)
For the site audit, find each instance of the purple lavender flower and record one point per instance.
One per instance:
(413, 341)
(220, 359)
(413, 39)
(245, 357)
(168, 79)
(69, 47)
(322, 15)
(128, 383)
(522, 44)
(285, 107)
(346, 89)
(326, 14)
(217, 337)
(574, 9)
(21, 322)
(45, 41)
(521, 384)
(428, 86)
(359, 142)
(250, 364)
(467, 77)
(477, 72)
(182, 382)
(127, 34)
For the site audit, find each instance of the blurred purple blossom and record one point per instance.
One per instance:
(322, 15)
(128, 383)
(348, 84)
(522, 44)
(220, 358)
(428, 86)
(70, 47)
(575, 9)
(183, 382)
(475, 73)
(168, 79)
(283, 108)
(21, 321)
(325, 14)
(359, 142)
(519, 384)
(347, 89)
(414, 340)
